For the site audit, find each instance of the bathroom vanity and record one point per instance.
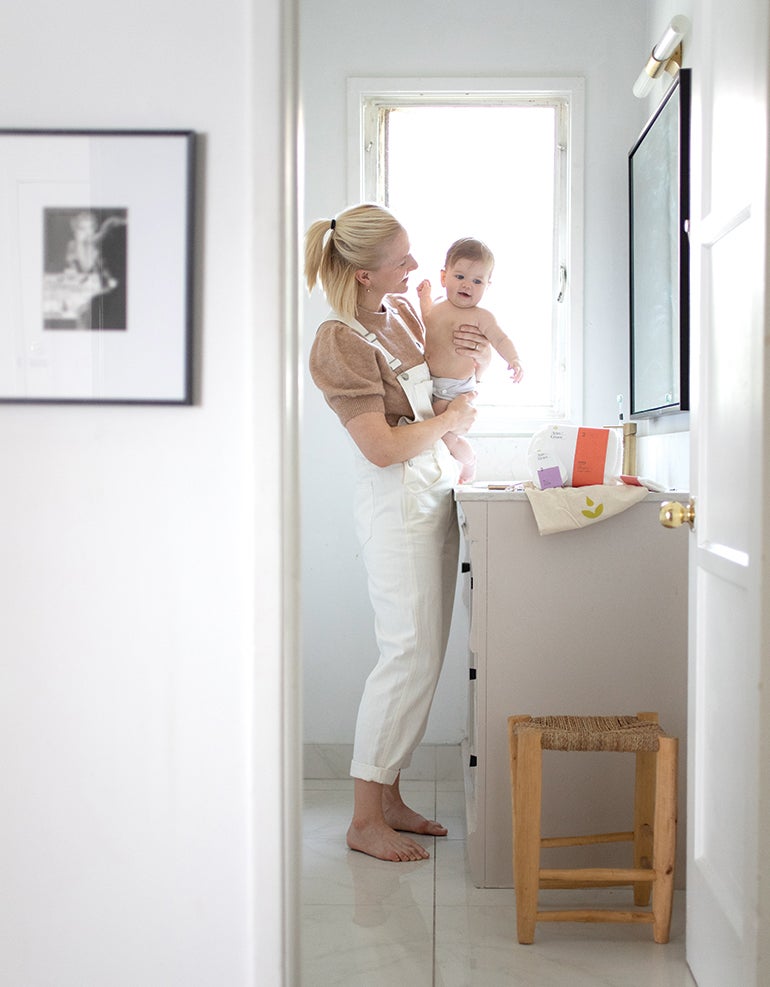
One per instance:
(588, 621)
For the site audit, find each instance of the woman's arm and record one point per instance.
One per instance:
(383, 444)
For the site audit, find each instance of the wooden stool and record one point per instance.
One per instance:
(653, 836)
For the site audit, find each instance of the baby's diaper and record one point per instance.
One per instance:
(573, 456)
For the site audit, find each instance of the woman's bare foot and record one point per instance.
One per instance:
(398, 815)
(381, 841)
(380, 819)
(409, 821)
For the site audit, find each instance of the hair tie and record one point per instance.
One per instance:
(334, 223)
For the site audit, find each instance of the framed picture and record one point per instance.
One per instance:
(96, 237)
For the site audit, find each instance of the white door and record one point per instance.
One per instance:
(730, 483)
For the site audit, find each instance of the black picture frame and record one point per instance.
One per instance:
(96, 266)
(659, 213)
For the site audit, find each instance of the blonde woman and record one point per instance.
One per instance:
(368, 360)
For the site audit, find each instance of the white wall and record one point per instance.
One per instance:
(140, 608)
(606, 42)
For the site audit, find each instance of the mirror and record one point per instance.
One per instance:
(659, 194)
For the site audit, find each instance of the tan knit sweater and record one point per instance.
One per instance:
(354, 376)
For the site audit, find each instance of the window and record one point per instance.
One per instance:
(459, 158)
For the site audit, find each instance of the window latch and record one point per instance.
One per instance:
(562, 283)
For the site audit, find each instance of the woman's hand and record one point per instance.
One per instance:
(462, 412)
(384, 444)
(471, 341)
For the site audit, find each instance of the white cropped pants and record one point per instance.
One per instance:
(406, 523)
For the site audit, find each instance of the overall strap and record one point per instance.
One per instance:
(393, 362)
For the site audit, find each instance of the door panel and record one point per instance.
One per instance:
(728, 588)
(727, 406)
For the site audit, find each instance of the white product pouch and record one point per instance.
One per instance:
(574, 456)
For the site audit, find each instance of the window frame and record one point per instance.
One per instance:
(369, 97)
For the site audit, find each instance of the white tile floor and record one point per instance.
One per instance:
(367, 923)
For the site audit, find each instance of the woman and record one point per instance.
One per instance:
(368, 361)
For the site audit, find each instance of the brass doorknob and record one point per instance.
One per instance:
(674, 515)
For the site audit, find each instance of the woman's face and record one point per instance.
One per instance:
(393, 274)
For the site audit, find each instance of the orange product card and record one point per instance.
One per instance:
(590, 456)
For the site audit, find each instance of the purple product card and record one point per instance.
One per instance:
(549, 477)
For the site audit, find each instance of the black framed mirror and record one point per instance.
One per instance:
(659, 211)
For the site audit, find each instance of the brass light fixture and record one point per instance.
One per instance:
(666, 56)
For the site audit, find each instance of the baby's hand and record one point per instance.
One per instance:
(423, 293)
(517, 371)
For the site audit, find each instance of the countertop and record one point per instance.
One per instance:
(494, 490)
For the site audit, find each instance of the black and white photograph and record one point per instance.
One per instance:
(84, 282)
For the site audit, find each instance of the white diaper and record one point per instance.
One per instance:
(448, 388)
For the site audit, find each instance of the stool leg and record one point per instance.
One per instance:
(526, 848)
(512, 721)
(664, 848)
(644, 814)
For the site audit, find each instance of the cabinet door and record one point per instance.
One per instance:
(591, 621)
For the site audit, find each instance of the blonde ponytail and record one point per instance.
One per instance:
(354, 240)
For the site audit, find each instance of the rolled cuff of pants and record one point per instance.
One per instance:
(368, 772)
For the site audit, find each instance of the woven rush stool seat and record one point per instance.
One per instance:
(654, 820)
(628, 734)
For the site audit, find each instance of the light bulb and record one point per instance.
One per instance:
(673, 34)
(643, 85)
(661, 53)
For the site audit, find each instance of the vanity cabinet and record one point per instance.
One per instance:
(589, 621)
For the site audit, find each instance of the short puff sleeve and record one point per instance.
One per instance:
(348, 371)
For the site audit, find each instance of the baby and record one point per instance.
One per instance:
(465, 277)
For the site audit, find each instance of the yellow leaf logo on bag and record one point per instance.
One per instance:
(597, 512)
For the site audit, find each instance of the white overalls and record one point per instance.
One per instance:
(407, 527)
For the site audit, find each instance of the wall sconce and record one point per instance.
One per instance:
(667, 52)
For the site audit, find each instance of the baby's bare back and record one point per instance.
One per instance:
(440, 326)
